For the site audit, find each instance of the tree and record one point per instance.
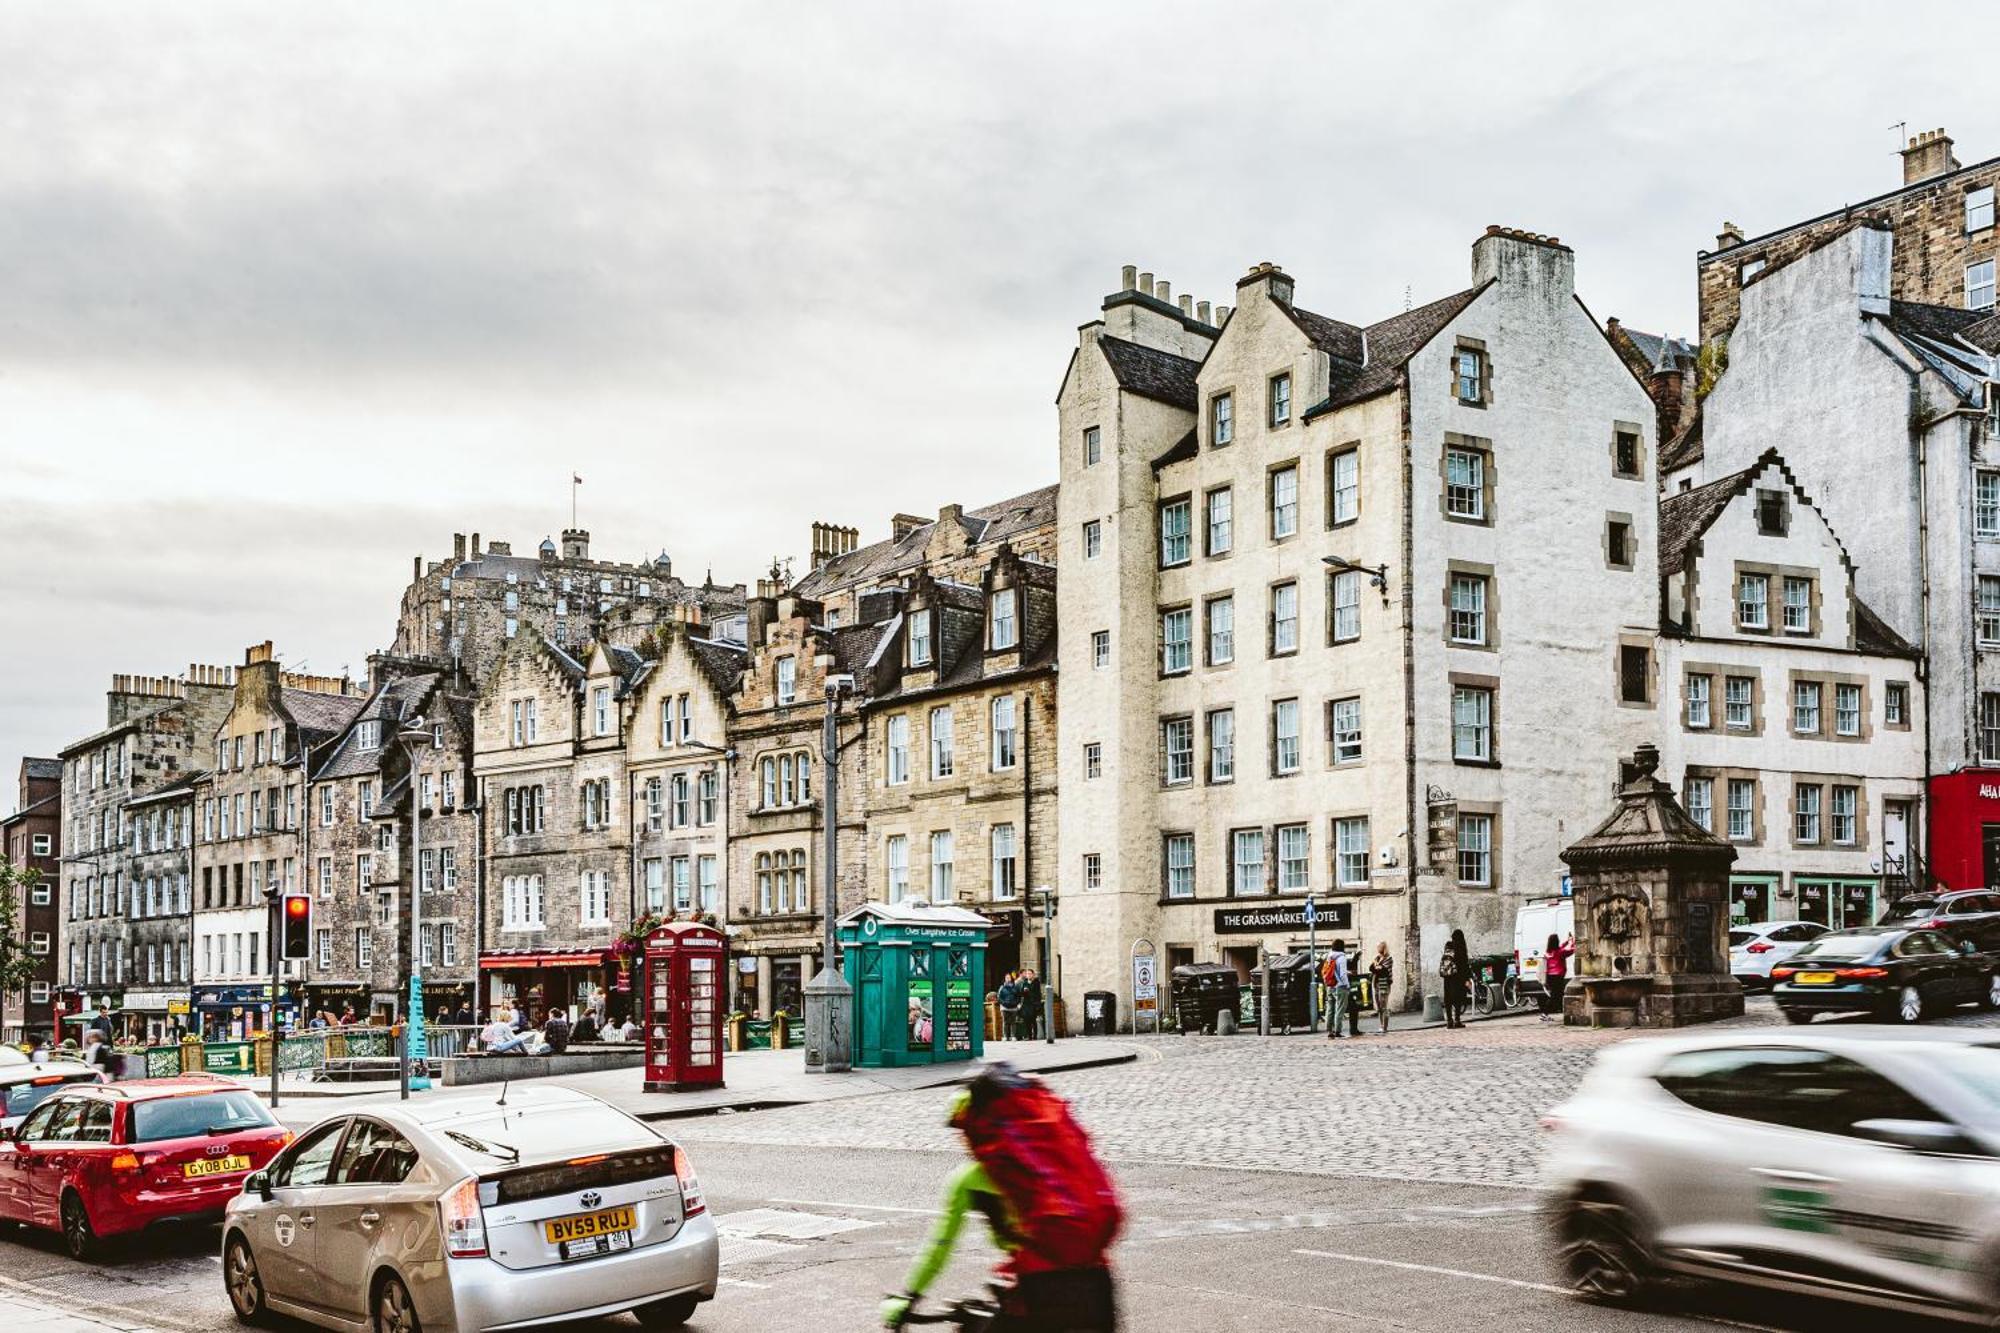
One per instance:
(17, 964)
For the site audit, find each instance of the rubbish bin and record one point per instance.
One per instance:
(1100, 1013)
(1291, 984)
(1200, 991)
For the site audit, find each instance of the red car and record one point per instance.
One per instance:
(107, 1159)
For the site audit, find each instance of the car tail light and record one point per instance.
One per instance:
(464, 1224)
(691, 1200)
(1860, 973)
(125, 1161)
(1761, 946)
(1935, 923)
(1780, 973)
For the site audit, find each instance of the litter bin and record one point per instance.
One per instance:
(1200, 991)
(1100, 1013)
(1291, 987)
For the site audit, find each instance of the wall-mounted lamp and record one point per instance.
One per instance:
(1378, 575)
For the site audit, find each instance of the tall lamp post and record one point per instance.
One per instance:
(415, 1064)
(829, 999)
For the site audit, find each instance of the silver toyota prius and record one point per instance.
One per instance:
(486, 1211)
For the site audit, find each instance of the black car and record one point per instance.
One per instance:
(1971, 914)
(1892, 971)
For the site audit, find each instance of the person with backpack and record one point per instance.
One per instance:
(1334, 973)
(1049, 1202)
(1455, 979)
(1010, 1006)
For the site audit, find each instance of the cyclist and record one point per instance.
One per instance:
(1047, 1200)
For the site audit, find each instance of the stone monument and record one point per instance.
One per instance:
(1652, 914)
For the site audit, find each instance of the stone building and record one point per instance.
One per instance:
(1336, 600)
(358, 835)
(1792, 717)
(1942, 217)
(252, 838)
(158, 736)
(31, 838)
(465, 609)
(549, 738)
(1888, 412)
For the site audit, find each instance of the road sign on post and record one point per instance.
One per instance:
(1145, 987)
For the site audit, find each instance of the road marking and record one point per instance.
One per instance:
(864, 1207)
(786, 1225)
(740, 1282)
(1433, 1268)
(1148, 1230)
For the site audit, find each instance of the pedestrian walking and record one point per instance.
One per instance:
(1381, 976)
(1335, 975)
(1010, 1006)
(1455, 977)
(1555, 975)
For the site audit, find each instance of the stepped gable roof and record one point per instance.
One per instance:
(1685, 448)
(43, 768)
(994, 522)
(1686, 515)
(721, 662)
(1389, 345)
(1151, 373)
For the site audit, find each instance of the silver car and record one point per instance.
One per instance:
(487, 1211)
(1857, 1163)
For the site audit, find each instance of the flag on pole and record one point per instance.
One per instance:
(575, 480)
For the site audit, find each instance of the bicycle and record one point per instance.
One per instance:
(975, 1313)
(1487, 994)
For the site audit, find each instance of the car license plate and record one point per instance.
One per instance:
(214, 1166)
(586, 1227)
(1815, 978)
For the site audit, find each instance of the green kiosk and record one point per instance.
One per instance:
(919, 979)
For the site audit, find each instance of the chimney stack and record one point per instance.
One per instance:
(1145, 284)
(1164, 290)
(458, 547)
(1201, 311)
(1128, 278)
(902, 525)
(1730, 236)
(475, 546)
(831, 541)
(1929, 155)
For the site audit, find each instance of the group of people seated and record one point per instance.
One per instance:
(511, 1031)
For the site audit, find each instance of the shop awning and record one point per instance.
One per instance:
(582, 958)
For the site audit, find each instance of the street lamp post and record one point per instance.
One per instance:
(415, 1064)
(829, 999)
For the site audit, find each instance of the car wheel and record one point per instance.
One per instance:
(1909, 1005)
(395, 1312)
(1797, 1015)
(79, 1238)
(245, 1283)
(671, 1313)
(1990, 997)
(1602, 1255)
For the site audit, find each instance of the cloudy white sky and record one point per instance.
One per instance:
(290, 293)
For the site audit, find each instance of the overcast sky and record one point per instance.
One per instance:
(290, 293)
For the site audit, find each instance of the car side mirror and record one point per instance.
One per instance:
(1925, 1136)
(259, 1184)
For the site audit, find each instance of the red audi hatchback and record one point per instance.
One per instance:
(108, 1159)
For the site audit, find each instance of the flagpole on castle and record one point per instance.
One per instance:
(574, 482)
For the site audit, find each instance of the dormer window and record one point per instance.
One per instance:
(600, 711)
(1002, 632)
(920, 638)
(368, 736)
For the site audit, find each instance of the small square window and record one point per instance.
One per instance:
(1772, 513)
(1469, 375)
(1100, 648)
(1093, 759)
(1625, 449)
(1635, 664)
(1618, 543)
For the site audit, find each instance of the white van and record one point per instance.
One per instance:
(1538, 919)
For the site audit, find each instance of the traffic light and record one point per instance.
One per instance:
(297, 932)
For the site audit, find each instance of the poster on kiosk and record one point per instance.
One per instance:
(683, 1013)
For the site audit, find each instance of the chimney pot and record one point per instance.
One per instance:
(1145, 284)
(1128, 278)
(1929, 155)
(1187, 305)
(1730, 235)
(1222, 315)
(475, 546)
(1164, 290)
(1201, 311)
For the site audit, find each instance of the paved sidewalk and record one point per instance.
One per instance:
(19, 1312)
(756, 1080)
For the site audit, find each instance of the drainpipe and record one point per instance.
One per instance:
(1412, 945)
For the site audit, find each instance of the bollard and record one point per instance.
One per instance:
(1225, 1022)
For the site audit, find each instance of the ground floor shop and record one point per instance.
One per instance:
(768, 975)
(1834, 901)
(546, 980)
(1964, 829)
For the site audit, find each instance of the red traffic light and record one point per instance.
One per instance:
(296, 937)
(298, 906)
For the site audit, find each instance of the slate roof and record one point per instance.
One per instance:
(1336, 338)
(1390, 344)
(327, 714)
(32, 806)
(1936, 334)
(1685, 516)
(1873, 635)
(993, 523)
(1652, 345)
(1686, 447)
(1183, 449)
(1985, 335)
(43, 768)
(1151, 373)
(390, 705)
(722, 663)
(179, 787)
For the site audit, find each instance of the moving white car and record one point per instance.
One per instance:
(25, 1083)
(1756, 947)
(1858, 1163)
(1534, 922)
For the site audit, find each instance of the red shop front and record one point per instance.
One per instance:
(542, 980)
(1965, 828)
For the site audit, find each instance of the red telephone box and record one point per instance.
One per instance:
(683, 1011)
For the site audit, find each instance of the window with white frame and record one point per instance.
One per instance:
(1093, 539)
(656, 804)
(364, 803)
(1739, 694)
(1179, 865)
(1221, 613)
(1753, 601)
(1986, 501)
(1896, 704)
(1468, 608)
(1343, 485)
(1989, 609)
(364, 947)
(1246, 863)
(1222, 745)
(1350, 851)
(1284, 501)
(1093, 870)
(941, 866)
(1697, 701)
(1465, 484)
(1221, 506)
(1471, 723)
(1093, 446)
(920, 638)
(1280, 399)
(1175, 547)
(1798, 604)
(325, 811)
(1805, 707)
(687, 718)
(1700, 794)
(1006, 733)
(655, 872)
(788, 680)
(1285, 737)
(1343, 730)
(1177, 640)
(1979, 285)
(1006, 862)
(1846, 709)
(667, 720)
(1475, 849)
(679, 876)
(707, 796)
(1805, 812)
(1221, 419)
(941, 744)
(896, 750)
(1294, 858)
(1093, 759)
(1845, 801)
(1284, 619)
(1003, 630)
(1742, 809)
(1100, 648)
(680, 800)
(1469, 374)
(896, 857)
(708, 883)
(1978, 209)
(1344, 596)
(1177, 750)
(1989, 728)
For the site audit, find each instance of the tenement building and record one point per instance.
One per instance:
(250, 844)
(1887, 412)
(1942, 217)
(1792, 717)
(677, 787)
(358, 837)
(31, 838)
(1337, 601)
(158, 736)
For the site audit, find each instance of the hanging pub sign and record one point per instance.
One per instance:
(1281, 916)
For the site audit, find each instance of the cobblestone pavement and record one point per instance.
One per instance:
(1423, 1105)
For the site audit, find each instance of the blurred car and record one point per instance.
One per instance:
(105, 1159)
(1856, 1163)
(1756, 948)
(1972, 914)
(1897, 973)
(24, 1085)
(509, 1210)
